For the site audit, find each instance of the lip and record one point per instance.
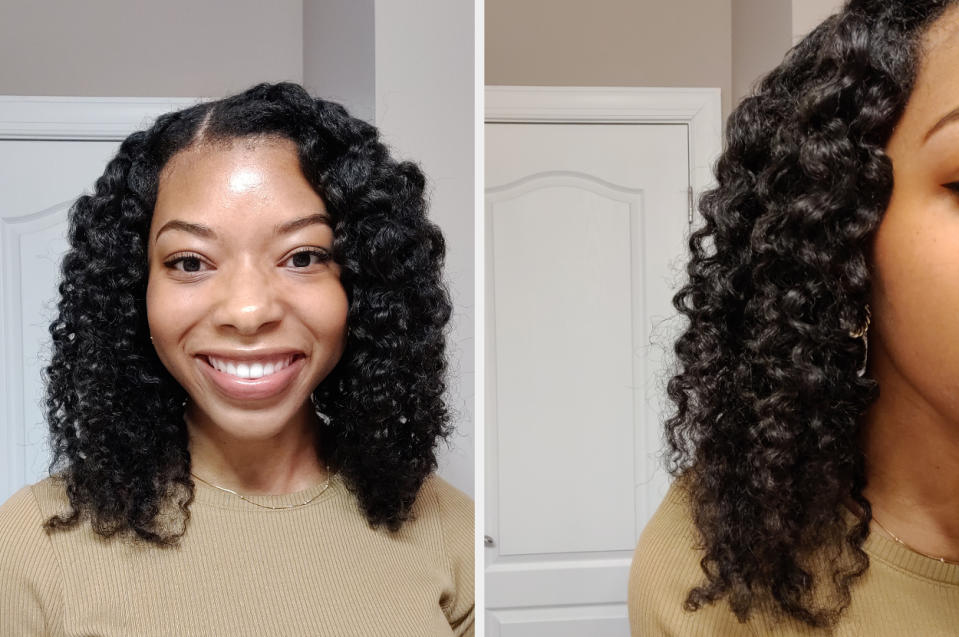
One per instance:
(252, 388)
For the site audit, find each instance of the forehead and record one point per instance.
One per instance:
(209, 154)
(266, 174)
(936, 89)
(232, 192)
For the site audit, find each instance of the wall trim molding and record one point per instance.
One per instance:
(81, 118)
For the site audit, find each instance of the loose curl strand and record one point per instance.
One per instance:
(768, 401)
(114, 411)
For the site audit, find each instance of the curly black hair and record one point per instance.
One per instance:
(116, 414)
(765, 434)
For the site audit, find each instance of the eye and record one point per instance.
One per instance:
(185, 263)
(306, 258)
(953, 186)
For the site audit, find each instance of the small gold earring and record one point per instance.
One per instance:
(862, 333)
(865, 328)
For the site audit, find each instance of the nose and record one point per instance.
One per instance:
(246, 300)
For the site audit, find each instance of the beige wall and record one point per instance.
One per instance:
(610, 43)
(806, 14)
(140, 48)
(762, 31)
(728, 44)
(338, 53)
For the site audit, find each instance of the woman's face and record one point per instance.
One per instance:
(915, 353)
(244, 302)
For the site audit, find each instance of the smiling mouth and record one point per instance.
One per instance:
(251, 370)
(286, 369)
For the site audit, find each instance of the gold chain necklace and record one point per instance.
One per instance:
(326, 485)
(914, 550)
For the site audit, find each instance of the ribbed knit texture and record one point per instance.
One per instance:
(242, 570)
(902, 593)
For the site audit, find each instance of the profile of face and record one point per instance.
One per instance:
(244, 301)
(914, 336)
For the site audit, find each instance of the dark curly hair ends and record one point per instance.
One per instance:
(116, 414)
(765, 433)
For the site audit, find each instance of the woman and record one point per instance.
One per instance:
(245, 392)
(807, 501)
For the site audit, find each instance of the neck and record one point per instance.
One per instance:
(912, 465)
(286, 461)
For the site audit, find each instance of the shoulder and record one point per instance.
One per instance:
(29, 570)
(665, 568)
(23, 514)
(51, 495)
(18, 515)
(665, 563)
(26, 543)
(451, 511)
(453, 507)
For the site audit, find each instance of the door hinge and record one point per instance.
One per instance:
(689, 193)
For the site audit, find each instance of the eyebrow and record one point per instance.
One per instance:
(207, 232)
(951, 116)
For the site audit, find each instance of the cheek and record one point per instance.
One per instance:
(155, 317)
(158, 323)
(338, 311)
(327, 312)
(161, 320)
(916, 287)
(170, 313)
(159, 310)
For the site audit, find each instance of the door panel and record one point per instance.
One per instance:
(604, 620)
(566, 311)
(586, 224)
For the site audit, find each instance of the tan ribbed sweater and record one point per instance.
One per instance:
(902, 593)
(242, 570)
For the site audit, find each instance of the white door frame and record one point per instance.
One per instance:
(697, 108)
(50, 118)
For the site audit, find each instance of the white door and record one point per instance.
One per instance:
(51, 151)
(586, 234)
(38, 181)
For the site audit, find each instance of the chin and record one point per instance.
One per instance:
(254, 422)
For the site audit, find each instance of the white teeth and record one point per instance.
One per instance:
(249, 370)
